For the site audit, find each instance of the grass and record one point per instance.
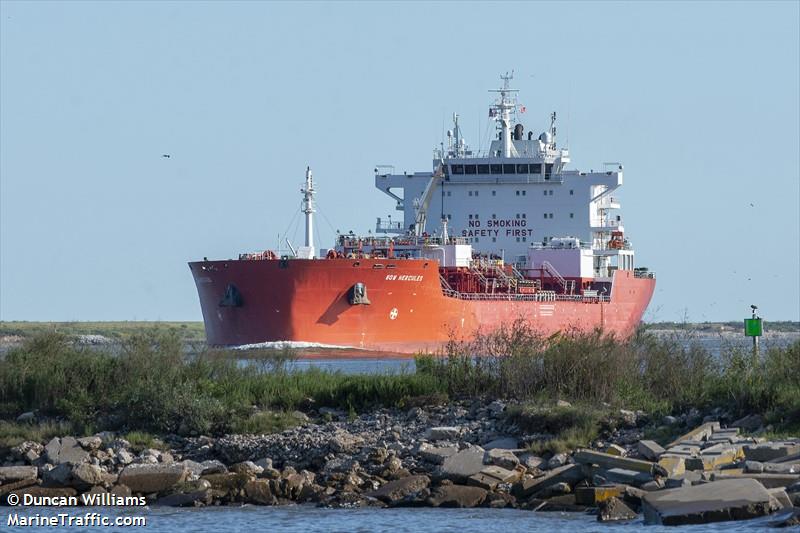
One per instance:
(141, 440)
(148, 386)
(266, 422)
(567, 428)
(13, 433)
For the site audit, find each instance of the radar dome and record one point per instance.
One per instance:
(546, 137)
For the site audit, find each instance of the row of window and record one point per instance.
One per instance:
(522, 192)
(494, 239)
(508, 168)
(518, 215)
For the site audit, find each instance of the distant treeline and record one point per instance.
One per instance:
(786, 326)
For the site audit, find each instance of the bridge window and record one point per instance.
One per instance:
(496, 169)
(510, 169)
(544, 192)
(548, 169)
(545, 215)
(523, 192)
(476, 193)
(517, 193)
(536, 168)
(470, 169)
(572, 215)
(470, 193)
(457, 169)
(522, 168)
(571, 192)
(494, 193)
(483, 169)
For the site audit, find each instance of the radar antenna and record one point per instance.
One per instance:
(501, 111)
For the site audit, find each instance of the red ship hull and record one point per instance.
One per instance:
(307, 300)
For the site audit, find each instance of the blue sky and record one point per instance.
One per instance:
(698, 100)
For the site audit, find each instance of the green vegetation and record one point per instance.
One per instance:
(148, 386)
(13, 433)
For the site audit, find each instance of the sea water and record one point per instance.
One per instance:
(310, 519)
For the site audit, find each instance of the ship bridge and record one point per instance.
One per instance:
(517, 194)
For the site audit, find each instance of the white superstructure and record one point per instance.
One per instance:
(517, 200)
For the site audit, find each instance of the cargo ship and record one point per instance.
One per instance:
(518, 236)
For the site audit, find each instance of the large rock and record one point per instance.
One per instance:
(85, 476)
(591, 496)
(443, 433)
(611, 461)
(769, 451)
(749, 423)
(769, 481)
(649, 449)
(12, 474)
(570, 474)
(436, 454)
(501, 457)
(735, 499)
(145, 478)
(65, 450)
(460, 466)
(343, 441)
(491, 476)
(456, 496)
(396, 491)
(613, 509)
(258, 491)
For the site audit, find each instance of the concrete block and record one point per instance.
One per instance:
(733, 499)
(460, 466)
(674, 465)
(686, 451)
(769, 451)
(443, 433)
(627, 477)
(649, 449)
(769, 481)
(570, 474)
(779, 500)
(614, 449)
(591, 496)
(610, 461)
(699, 433)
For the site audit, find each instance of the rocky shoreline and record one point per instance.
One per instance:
(463, 454)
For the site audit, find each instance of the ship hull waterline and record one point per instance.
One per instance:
(308, 301)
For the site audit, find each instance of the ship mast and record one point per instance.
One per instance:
(501, 111)
(308, 209)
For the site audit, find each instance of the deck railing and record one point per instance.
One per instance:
(542, 296)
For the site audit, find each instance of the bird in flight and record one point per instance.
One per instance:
(167, 156)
